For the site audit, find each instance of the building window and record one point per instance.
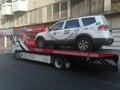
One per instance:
(31, 17)
(56, 9)
(64, 7)
(39, 15)
(25, 19)
(97, 6)
(11, 22)
(80, 8)
(3, 20)
(17, 20)
(75, 5)
(21, 20)
(49, 12)
(35, 16)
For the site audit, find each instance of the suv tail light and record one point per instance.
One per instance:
(102, 28)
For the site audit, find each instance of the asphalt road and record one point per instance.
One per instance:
(26, 75)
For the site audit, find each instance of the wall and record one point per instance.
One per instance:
(32, 4)
(114, 20)
(40, 11)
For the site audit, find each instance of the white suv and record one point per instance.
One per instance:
(85, 33)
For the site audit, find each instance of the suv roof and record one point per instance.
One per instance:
(84, 17)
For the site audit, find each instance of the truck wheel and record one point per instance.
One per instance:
(97, 48)
(84, 44)
(40, 43)
(56, 47)
(17, 55)
(61, 63)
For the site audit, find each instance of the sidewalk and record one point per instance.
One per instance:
(5, 51)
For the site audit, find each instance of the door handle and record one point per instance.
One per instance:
(54, 33)
(66, 31)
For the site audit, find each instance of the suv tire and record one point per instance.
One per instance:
(40, 42)
(84, 44)
(17, 55)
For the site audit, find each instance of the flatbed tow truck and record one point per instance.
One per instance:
(63, 58)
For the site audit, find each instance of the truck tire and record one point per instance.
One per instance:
(61, 63)
(17, 55)
(84, 44)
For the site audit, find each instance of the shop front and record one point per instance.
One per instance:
(5, 36)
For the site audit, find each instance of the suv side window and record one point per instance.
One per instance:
(57, 26)
(88, 21)
(72, 24)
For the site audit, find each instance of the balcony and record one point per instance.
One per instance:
(7, 9)
(111, 6)
(116, 5)
(19, 6)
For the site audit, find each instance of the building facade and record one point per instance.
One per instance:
(14, 13)
(17, 13)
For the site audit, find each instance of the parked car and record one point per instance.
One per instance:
(85, 33)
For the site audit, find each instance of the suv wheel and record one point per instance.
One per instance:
(40, 43)
(84, 44)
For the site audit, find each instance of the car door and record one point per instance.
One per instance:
(71, 29)
(56, 32)
(63, 31)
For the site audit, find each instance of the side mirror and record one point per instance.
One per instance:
(49, 29)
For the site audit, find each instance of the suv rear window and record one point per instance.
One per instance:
(88, 21)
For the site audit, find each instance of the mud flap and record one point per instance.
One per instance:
(110, 63)
(119, 63)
